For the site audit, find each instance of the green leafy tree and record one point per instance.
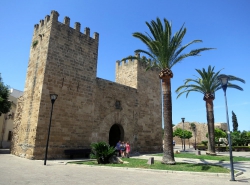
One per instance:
(240, 138)
(248, 137)
(188, 135)
(218, 133)
(248, 134)
(178, 133)
(182, 134)
(5, 105)
(235, 122)
(165, 50)
(207, 84)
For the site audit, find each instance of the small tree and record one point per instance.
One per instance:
(178, 133)
(188, 135)
(240, 138)
(235, 122)
(5, 104)
(219, 133)
(183, 134)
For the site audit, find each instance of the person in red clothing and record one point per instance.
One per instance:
(127, 149)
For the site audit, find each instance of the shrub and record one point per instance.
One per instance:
(241, 148)
(221, 148)
(102, 152)
(204, 143)
(201, 147)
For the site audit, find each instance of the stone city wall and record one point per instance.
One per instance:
(201, 132)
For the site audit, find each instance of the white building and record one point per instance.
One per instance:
(6, 120)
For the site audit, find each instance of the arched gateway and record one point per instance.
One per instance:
(116, 133)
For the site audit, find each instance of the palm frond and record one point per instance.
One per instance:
(206, 82)
(166, 49)
(234, 78)
(234, 86)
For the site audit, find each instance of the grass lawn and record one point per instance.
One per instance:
(207, 157)
(142, 163)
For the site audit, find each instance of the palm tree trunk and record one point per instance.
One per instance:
(210, 124)
(195, 139)
(168, 150)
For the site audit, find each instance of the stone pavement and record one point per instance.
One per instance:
(16, 170)
(240, 166)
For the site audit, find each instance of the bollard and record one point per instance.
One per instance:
(150, 160)
(198, 152)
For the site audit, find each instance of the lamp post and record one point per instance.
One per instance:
(53, 98)
(183, 119)
(224, 81)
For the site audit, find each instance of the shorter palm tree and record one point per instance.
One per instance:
(193, 128)
(207, 84)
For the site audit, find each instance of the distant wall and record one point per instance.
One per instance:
(201, 132)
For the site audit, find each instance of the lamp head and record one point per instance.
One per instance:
(223, 81)
(53, 97)
(183, 119)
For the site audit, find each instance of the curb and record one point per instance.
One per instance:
(162, 171)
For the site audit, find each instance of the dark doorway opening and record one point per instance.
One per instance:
(116, 134)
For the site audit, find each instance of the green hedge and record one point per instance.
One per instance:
(201, 147)
(225, 148)
(241, 148)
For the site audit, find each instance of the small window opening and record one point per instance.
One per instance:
(118, 104)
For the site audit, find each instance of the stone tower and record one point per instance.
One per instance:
(63, 61)
(88, 109)
(148, 127)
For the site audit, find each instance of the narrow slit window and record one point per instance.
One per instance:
(118, 104)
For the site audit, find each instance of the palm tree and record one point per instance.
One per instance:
(193, 128)
(207, 84)
(165, 50)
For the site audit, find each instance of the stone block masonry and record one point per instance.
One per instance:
(63, 60)
(201, 131)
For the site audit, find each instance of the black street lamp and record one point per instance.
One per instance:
(53, 98)
(224, 81)
(183, 119)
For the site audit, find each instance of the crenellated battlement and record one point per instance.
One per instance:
(53, 19)
(142, 61)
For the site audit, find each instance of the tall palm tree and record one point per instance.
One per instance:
(193, 128)
(207, 84)
(166, 50)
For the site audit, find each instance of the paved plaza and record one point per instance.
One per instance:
(16, 170)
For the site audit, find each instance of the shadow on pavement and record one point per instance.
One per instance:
(4, 151)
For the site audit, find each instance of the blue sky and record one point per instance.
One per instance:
(224, 25)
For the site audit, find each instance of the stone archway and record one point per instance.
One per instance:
(116, 133)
